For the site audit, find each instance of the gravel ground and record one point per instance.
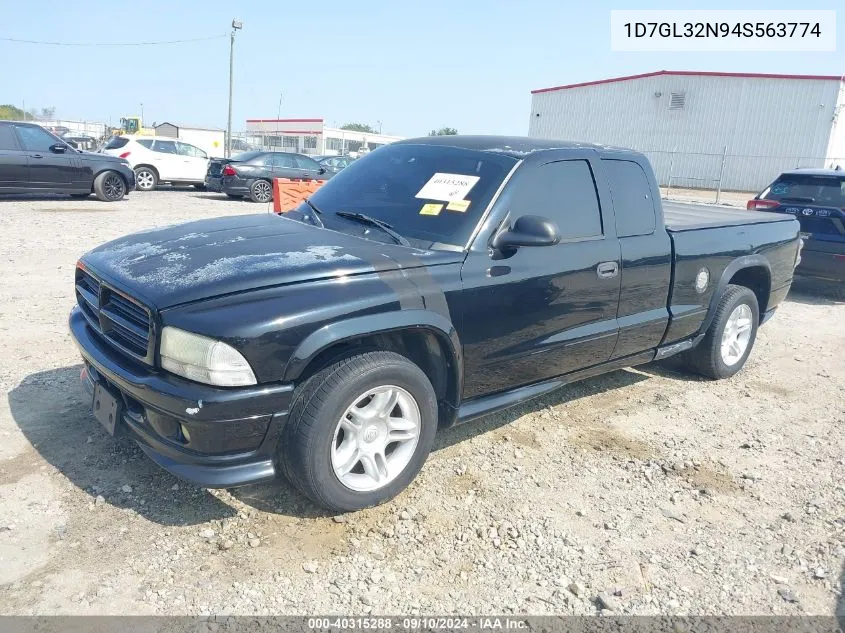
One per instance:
(643, 491)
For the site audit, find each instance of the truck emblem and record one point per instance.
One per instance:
(807, 212)
(370, 434)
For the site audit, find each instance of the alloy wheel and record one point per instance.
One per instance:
(376, 438)
(736, 335)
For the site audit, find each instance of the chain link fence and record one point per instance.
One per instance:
(710, 177)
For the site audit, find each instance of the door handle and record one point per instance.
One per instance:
(36, 156)
(607, 270)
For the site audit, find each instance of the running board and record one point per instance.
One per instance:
(675, 348)
(477, 407)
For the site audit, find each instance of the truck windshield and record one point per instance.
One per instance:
(828, 191)
(431, 194)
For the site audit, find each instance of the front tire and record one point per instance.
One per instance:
(359, 431)
(731, 335)
(146, 178)
(109, 186)
(261, 191)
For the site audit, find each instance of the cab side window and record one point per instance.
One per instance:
(565, 192)
(631, 193)
(35, 139)
(7, 138)
(165, 147)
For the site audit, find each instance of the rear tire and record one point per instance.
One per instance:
(261, 191)
(731, 335)
(359, 431)
(109, 186)
(199, 186)
(146, 178)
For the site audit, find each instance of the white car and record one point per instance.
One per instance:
(158, 159)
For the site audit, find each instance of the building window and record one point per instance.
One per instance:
(353, 146)
(272, 141)
(677, 100)
(310, 142)
(290, 141)
(335, 144)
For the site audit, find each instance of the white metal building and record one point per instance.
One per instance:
(311, 136)
(211, 140)
(734, 131)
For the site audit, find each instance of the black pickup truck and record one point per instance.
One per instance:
(430, 282)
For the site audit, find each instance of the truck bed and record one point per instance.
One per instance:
(681, 216)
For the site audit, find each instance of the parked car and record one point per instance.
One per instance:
(334, 164)
(431, 282)
(157, 159)
(816, 197)
(251, 174)
(33, 160)
(85, 143)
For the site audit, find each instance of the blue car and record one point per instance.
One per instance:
(816, 197)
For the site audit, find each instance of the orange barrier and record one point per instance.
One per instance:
(288, 193)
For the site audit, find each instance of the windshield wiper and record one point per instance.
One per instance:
(317, 213)
(367, 219)
(799, 198)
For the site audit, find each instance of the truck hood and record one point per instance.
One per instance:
(199, 260)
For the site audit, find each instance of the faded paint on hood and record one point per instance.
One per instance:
(177, 264)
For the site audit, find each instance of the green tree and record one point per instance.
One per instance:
(444, 131)
(9, 112)
(358, 127)
(48, 113)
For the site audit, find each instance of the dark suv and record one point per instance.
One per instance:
(816, 197)
(33, 160)
(251, 173)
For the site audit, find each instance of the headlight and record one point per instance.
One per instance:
(203, 359)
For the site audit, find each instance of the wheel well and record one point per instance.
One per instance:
(421, 346)
(107, 169)
(756, 279)
(148, 167)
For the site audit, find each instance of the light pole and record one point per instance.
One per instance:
(236, 26)
(379, 126)
(142, 116)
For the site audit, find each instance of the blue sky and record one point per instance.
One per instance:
(412, 65)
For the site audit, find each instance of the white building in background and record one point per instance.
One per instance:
(702, 129)
(211, 140)
(311, 136)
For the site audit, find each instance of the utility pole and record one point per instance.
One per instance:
(236, 25)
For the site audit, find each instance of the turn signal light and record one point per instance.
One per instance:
(125, 154)
(760, 205)
(228, 170)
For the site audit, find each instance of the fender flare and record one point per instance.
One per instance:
(339, 331)
(740, 263)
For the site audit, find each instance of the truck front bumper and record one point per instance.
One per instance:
(213, 437)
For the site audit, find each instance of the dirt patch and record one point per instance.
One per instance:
(606, 440)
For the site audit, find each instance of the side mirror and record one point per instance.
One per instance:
(322, 170)
(58, 148)
(528, 230)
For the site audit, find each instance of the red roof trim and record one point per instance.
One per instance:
(284, 120)
(305, 132)
(694, 73)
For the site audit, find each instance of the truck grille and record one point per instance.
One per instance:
(119, 319)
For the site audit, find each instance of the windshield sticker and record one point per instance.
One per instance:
(447, 187)
(431, 209)
(780, 189)
(458, 205)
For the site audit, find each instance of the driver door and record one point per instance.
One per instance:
(542, 311)
(48, 169)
